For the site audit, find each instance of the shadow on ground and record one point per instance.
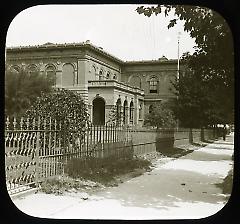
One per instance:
(175, 152)
(172, 187)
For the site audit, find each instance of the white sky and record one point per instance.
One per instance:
(118, 29)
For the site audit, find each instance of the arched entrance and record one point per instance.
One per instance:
(98, 111)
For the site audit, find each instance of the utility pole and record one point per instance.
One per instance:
(178, 61)
(178, 67)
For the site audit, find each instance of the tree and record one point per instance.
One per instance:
(161, 116)
(65, 106)
(206, 91)
(22, 89)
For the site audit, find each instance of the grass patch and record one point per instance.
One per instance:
(60, 184)
(104, 170)
(92, 173)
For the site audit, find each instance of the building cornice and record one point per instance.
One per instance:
(84, 45)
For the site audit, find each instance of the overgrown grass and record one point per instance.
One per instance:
(59, 185)
(103, 170)
(92, 172)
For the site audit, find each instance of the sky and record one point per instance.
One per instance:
(118, 29)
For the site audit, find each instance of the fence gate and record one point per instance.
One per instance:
(21, 156)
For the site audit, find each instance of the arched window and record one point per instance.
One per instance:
(68, 75)
(32, 70)
(95, 73)
(150, 109)
(51, 74)
(118, 104)
(100, 75)
(125, 115)
(153, 85)
(15, 69)
(141, 111)
(131, 112)
(136, 81)
(108, 75)
(115, 77)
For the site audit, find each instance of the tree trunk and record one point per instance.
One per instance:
(202, 134)
(190, 136)
(214, 131)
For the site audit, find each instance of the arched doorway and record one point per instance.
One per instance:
(98, 111)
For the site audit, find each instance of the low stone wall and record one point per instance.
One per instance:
(181, 137)
(152, 140)
(144, 141)
(118, 150)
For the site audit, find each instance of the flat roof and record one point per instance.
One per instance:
(87, 44)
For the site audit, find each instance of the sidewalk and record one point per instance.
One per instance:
(174, 189)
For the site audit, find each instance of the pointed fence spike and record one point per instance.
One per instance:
(21, 123)
(34, 123)
(39, 123)
(14, 123)
(27, 123)
(7, 123)
(44, 123)
(50, 123)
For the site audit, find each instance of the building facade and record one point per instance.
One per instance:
(105, 82)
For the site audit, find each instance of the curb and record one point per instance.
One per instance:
(23, 193)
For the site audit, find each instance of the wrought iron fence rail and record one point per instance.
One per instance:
(38, 149)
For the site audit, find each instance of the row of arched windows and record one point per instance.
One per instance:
(123, 114)
(101, 76)
(153, 83)
(68, 73)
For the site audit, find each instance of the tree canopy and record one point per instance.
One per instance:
(65, 106)
(206, 89)
(22, 89)
(161, 116)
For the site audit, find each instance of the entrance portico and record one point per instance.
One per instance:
(106, 97)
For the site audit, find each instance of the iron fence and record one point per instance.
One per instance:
(38, 149)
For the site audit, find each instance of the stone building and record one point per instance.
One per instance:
(104, 81)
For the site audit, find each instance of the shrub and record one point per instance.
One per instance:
(65, 106)
(161, 116)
